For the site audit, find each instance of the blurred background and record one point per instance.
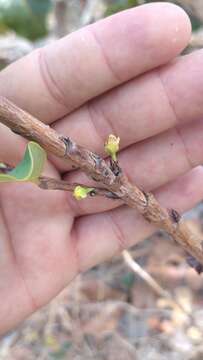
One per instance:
(26, 24)
(144, 304)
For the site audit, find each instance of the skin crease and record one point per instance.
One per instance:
(122, 75)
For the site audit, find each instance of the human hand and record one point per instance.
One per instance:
(109, 77)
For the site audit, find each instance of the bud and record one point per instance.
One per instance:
(112, 146)
(81, 192)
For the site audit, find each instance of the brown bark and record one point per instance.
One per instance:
(109, 177)
(54, 184)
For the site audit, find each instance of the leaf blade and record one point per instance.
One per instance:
(31, 166)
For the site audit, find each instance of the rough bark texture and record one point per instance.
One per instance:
(54, 184)
(109, 177)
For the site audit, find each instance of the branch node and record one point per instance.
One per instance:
(16, 132)
(113, 196)
(69, 144)
(174, 215)
(92, 193)
(147, 196)
(115, 168)
(97, 161)
(195, 264)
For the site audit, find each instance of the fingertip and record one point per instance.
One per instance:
(180, 23)
(172, 30)
(143, 37)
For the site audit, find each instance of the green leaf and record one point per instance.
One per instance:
(30, 168)
(28, 18)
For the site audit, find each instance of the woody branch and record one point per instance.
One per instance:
(110, 177)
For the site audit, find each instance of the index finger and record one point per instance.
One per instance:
(52, 82)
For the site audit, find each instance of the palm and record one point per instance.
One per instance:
(36, 245)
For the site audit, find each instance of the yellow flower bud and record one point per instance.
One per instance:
(81, 192)
(112, 146)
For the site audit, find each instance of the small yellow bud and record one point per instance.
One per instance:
(112, 146)
(81, 192)
(51, 342)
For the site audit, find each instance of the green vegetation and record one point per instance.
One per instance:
(27, 18)
(127, 4)
(120, 5)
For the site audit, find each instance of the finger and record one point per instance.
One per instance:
(34, 266)
(139, 109)
(149, 164)
(12, 146)
(99, 237)
(51, 82)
